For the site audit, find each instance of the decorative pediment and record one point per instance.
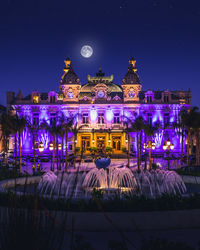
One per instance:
(116, 98)
(100, 90)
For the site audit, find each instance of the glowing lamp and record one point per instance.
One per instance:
(126, 140)
(153, 147)
(75, 140)
(145, 145)
(168, 142)
(93, 141)
(172, 146)
(41, 147)
(109, 140)
(51, 146)
(165, 147)
(59, 146)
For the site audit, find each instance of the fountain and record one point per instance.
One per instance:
(112, 181)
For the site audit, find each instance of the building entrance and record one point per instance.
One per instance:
(101, 144)
(85, 144)
(116, 144)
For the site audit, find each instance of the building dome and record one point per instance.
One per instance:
(112, 87)
(131, 76)
(69, 76)
(100, 82)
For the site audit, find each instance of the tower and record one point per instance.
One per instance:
(131, 84)
(70, 84)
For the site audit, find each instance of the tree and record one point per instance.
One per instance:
(66, 123)
(192, 124)
(53, 129)
(33, 128)
(137, 126)
(149, 131)
(75, 129)
(6, 131)
(19, 124)
(180, 126)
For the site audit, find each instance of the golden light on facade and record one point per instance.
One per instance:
(51, 146)
(36, 99)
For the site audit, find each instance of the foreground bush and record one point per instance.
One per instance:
(130, 204)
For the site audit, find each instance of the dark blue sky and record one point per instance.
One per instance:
(37, 35)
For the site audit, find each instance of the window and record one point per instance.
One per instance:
(52, 99)
(101, 118)
(149, 118)
(116, 118)
(166, 98)
(166, 120)
(35, 119)
(85, 119)
(52, 118)
(149, 99)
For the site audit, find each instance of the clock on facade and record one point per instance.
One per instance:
(70, 94)
(131, 94)
(100, 94)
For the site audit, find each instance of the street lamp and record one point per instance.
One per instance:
(41, 149)
(167, 146)
(149, 146)
(51, 147)
(59, 148)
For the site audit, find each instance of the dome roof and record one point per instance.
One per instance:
(111, 87)
(69, 77)
(131, 76)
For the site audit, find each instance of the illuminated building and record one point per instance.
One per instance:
(102, 104)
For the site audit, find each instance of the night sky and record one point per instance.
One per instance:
(37, 35)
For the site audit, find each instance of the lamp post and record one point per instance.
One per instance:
(153, 146)
(41, 149)
(51, 149)
(149, 146)
(167, 146)
(59, 149)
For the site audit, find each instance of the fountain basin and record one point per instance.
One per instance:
(102, 162)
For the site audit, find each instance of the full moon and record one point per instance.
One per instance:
(86, 51)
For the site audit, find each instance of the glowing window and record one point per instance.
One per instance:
(35, 119)
(116, 118)
(85, 118)
(101, 118)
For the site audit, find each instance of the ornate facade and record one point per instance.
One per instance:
(101, 104)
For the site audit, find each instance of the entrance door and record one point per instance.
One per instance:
(85, 144)
(116, 144)
(101, 144)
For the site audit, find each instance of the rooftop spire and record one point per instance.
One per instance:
(100, 72)
(68, 65)
(132, 62)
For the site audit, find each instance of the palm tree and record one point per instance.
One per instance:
(149, 131)
(33, 128)
(180, 125)
(19, 124)
(6, 131)
(134, 126)
(75, 129)
(53, 129)
(192, 124)
(66, 123)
